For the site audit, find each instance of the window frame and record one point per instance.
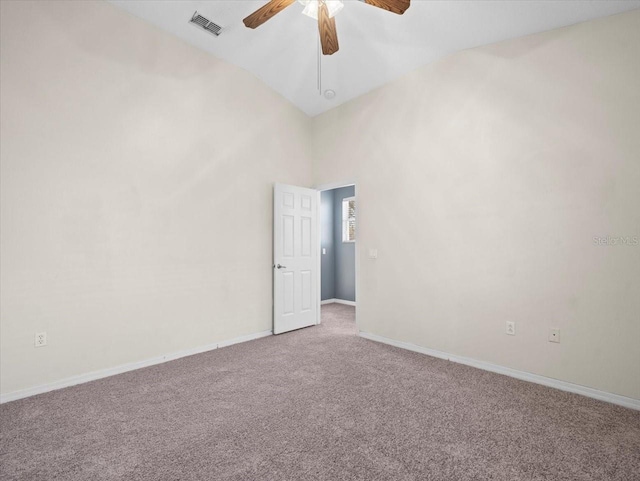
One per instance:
(345, 220)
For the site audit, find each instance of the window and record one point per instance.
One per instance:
(349, 219)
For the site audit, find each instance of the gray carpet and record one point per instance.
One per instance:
(316, 404)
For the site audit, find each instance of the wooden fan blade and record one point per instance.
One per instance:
(395, 6)
(327, 29)
(263, 14)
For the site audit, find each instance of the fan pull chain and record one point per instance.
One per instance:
(319, 82)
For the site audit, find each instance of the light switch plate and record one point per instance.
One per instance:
(373, 253)
(324, 251)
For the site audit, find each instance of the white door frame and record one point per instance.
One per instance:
(320, 188)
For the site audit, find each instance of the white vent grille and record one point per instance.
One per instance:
(205, 24)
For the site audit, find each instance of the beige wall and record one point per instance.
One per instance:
(136, 192)
(482, 180)
(136, 197)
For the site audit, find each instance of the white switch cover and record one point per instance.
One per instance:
(554, 335)
(41, 339)
(324, 251)
(373, 253)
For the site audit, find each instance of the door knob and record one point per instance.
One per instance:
(281, 267)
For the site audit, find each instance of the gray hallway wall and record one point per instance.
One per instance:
(328, 259)
(339, 263)
(345, 252)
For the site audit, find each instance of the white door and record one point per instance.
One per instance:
(295, 252)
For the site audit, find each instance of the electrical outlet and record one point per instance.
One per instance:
(511, 328)
(554, 335)
(41, 339)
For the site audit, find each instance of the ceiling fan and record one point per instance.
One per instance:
(323, 11)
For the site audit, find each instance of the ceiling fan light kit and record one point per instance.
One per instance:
(311, 7)
(323, 11)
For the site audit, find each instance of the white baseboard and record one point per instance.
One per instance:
(338, 301)
(522, 375)
(112, 371)
(241, 339)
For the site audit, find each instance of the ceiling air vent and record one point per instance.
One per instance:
(206, 24)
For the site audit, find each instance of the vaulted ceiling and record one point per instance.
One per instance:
(375, 46)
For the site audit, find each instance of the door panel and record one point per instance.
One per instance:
(305, 277)
(295, 258)
(306, 236)
(288, 293)
(288, 235)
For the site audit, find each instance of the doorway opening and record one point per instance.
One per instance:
(300, 242)
(338, 240)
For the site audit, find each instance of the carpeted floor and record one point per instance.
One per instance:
(316, 404)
